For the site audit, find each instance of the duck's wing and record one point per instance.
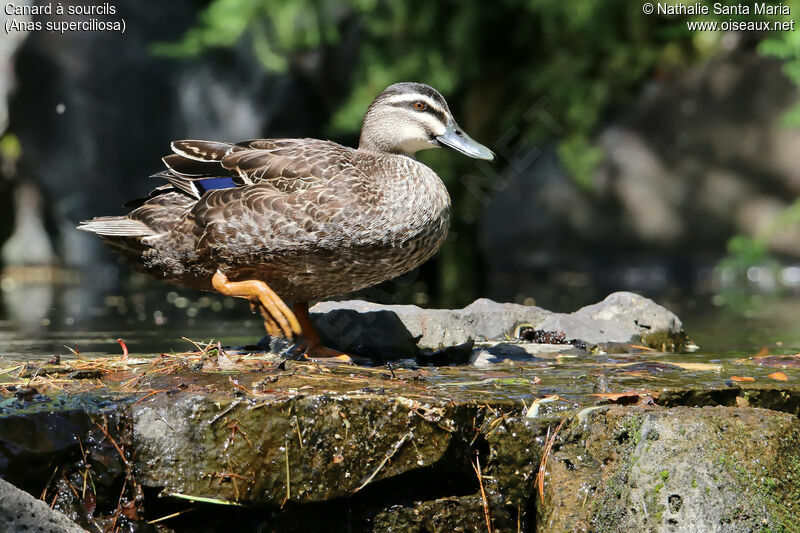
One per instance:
(271, 195)
(289, 165)
(288, 195)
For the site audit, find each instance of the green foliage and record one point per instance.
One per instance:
(745, 251)
(274, 28)
(789, 217)
(785, 45)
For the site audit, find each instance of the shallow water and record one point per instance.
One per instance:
(40, 320)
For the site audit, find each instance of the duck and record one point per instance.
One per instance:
(271, 220)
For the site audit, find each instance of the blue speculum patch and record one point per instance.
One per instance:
(209, 184)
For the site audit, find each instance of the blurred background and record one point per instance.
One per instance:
(633, 154)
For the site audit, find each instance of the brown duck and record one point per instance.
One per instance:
(300, 219)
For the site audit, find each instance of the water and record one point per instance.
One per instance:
(42, 319)
(725, 333)
(38, 320)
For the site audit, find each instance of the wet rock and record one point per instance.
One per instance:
(35, 435)
(515, 450)
(681, 469)
(505, 351)
(332, 445)
(391, 331)
(622, 318)
(446, 514)
(344, 448)
(514, 455)
(19, 511)
(452, 355)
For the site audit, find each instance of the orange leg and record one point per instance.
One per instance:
(311, 341)
(273, 330)
(278, 319)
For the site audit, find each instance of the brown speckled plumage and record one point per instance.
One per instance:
(310, 218)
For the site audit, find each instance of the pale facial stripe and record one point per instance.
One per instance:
(413, 97)
(432, 124)
(434, 110)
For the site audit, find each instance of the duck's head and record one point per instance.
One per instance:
(409, 117)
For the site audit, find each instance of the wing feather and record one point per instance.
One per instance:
(201, 150)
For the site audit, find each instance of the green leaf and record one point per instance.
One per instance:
(580, 158)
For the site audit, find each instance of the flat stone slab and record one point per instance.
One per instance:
(395, 331)
(302, 449)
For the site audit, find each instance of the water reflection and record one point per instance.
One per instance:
(41, 313)
(44, 310)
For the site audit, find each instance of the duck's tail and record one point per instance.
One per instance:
(121, 226)
(126, 236)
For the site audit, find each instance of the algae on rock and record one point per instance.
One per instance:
(716, 469)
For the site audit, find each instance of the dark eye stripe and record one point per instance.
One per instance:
(436, 113)
(440, 115)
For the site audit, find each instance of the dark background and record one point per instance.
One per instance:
(633, 154)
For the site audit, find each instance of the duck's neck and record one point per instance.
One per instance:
(375, 147)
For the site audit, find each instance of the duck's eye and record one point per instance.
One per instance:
(419, 106)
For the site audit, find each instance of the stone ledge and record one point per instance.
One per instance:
(394, 331)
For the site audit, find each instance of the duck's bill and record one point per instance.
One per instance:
(459, 141)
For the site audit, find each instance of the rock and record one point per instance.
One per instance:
(183, 444)
(19, 511)
(34, 432)
(681, 469)
(505, 351)
(392, 331)
(622, 318)
(290, 446)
